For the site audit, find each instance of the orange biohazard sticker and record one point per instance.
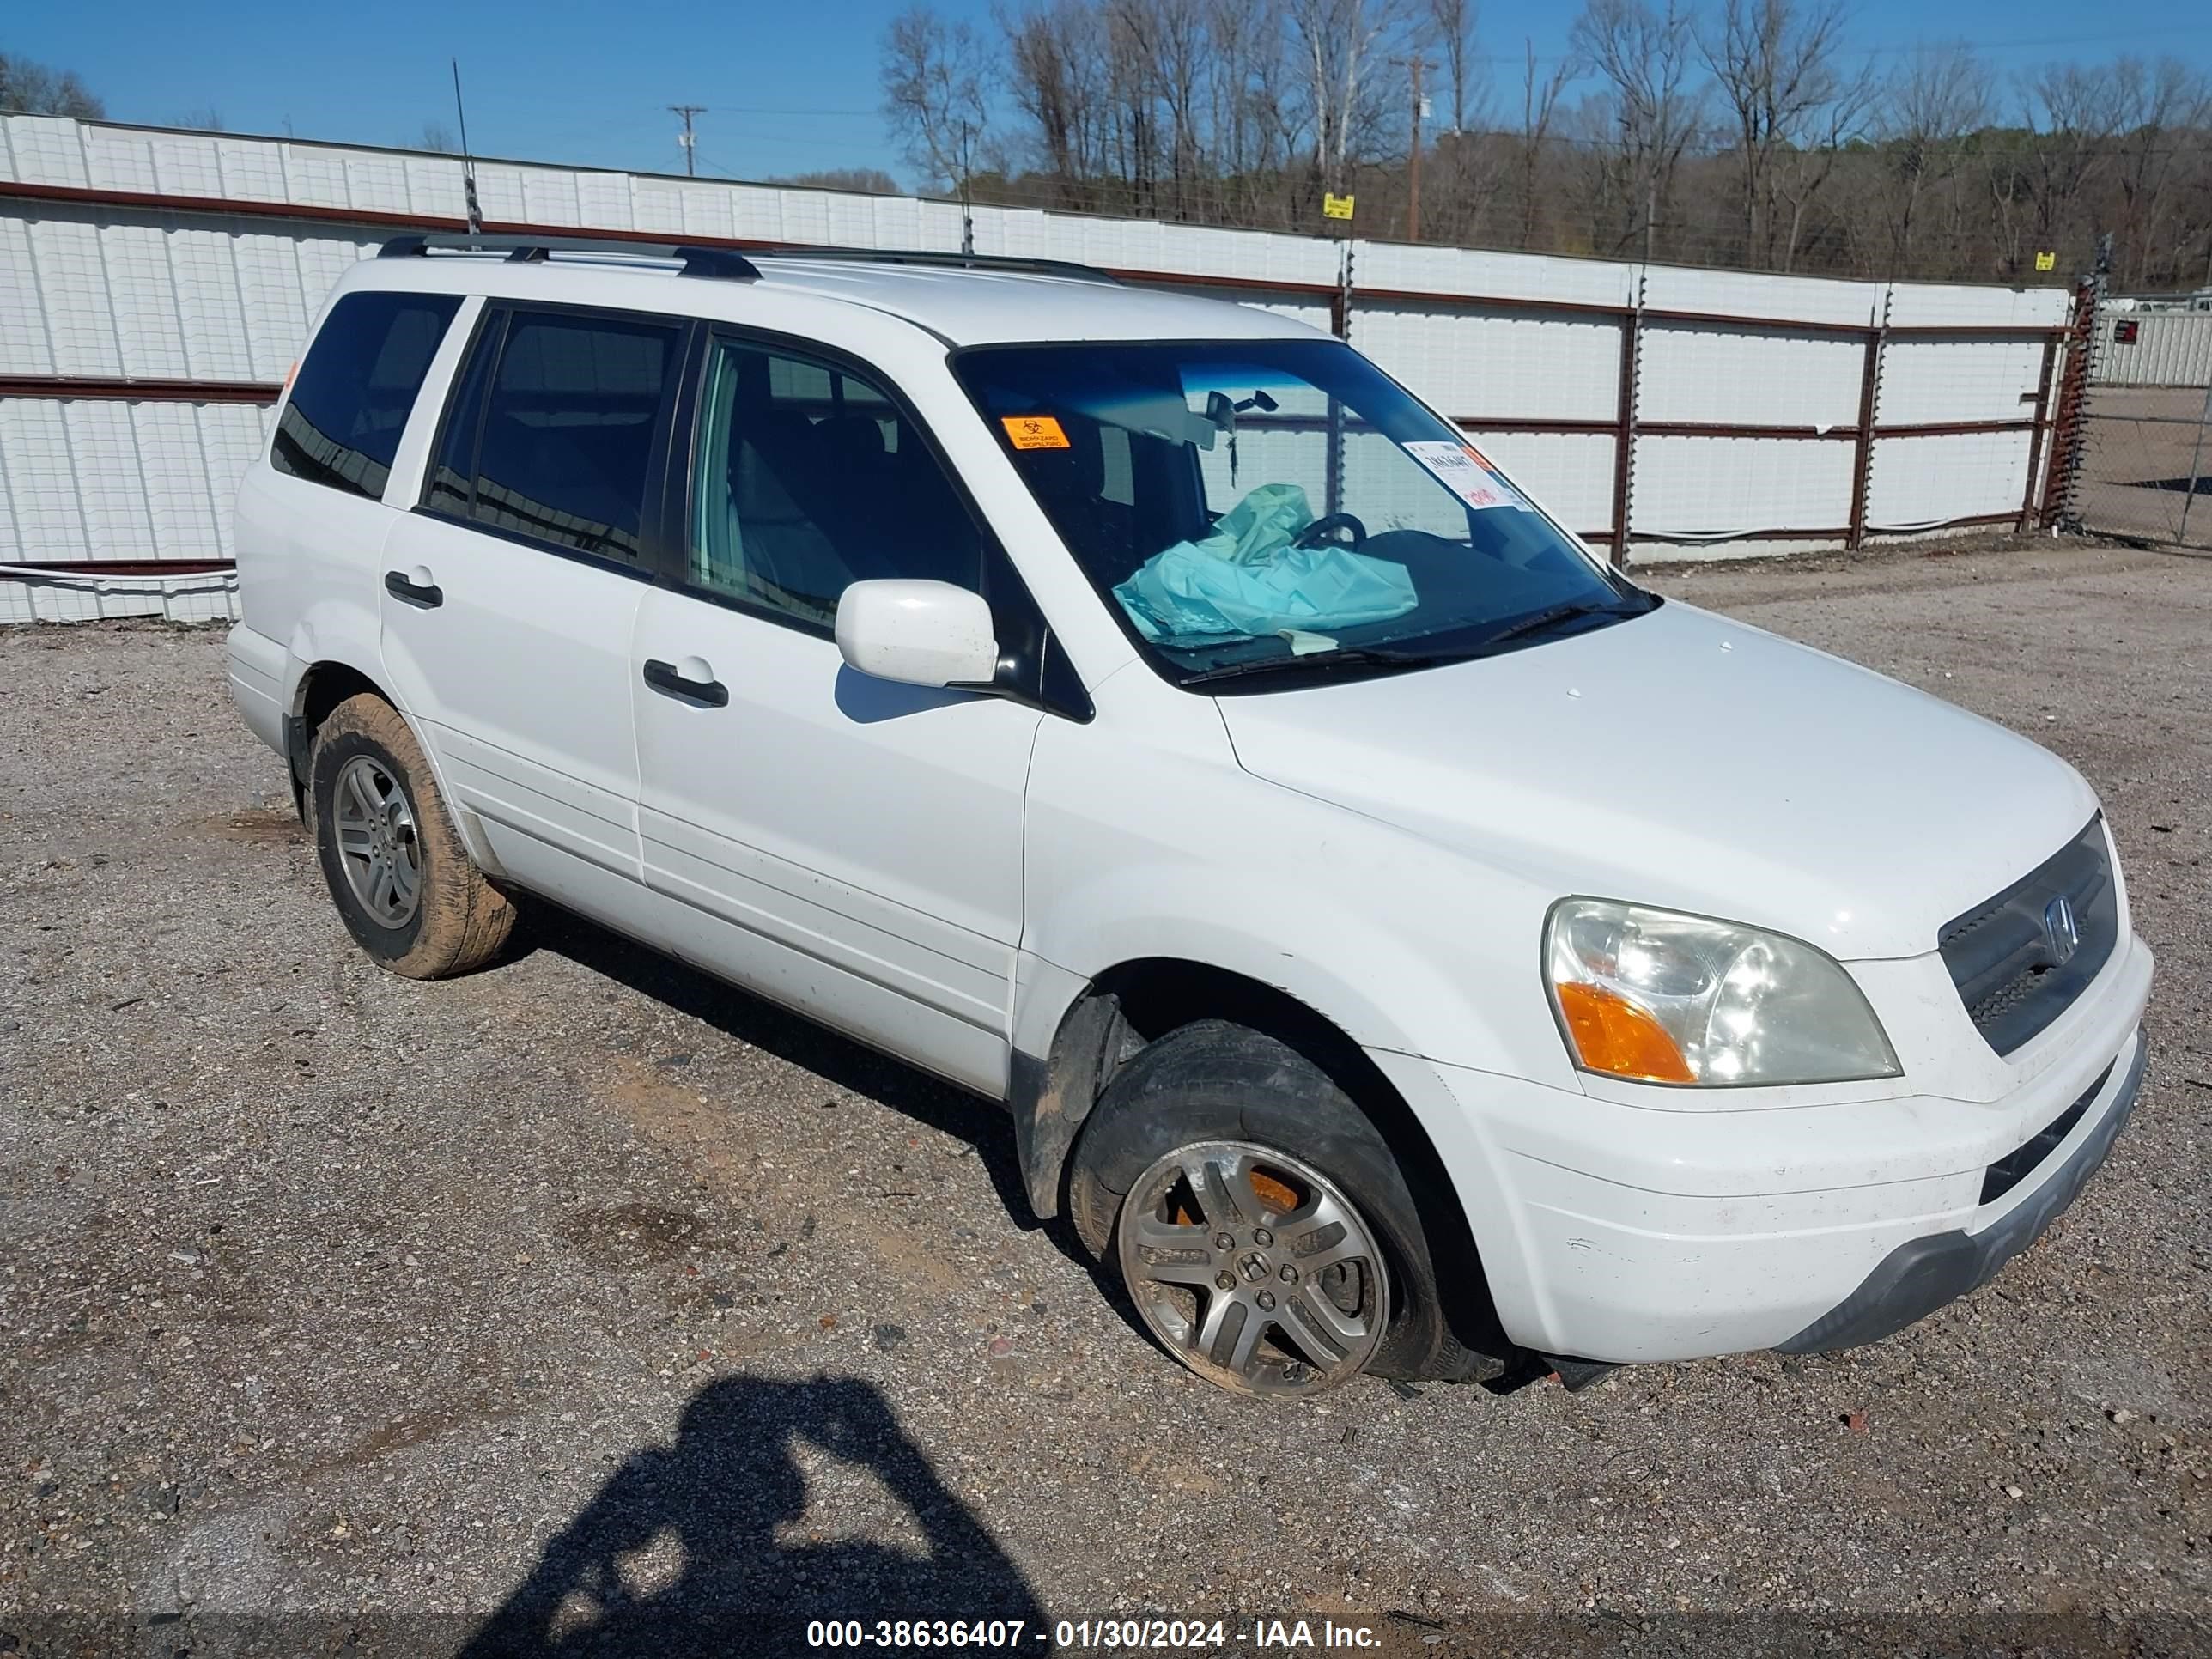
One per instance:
(1034, 432)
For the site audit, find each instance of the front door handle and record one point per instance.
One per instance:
(709, 693)
(423, 593)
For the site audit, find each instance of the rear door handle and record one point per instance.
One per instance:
(700, 693)
(424, 595)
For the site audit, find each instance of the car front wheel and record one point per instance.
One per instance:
(1258, 1219)
(1253, 1268)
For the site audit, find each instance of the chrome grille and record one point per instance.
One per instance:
(2008, 957)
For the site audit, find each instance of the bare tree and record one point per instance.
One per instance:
(936, 82)
(1451, 25)
(437, 136)
(1255, 122)
(2157, 106)
(1132, 106)
(1469, 170)
(1650, 113)
(1540, 109)
(1053, 77)
(30, 88)
(1735, 140)
(1165, 42)
(2072, 112)
(1936, 98)
(1340, 44)
(1775, 65)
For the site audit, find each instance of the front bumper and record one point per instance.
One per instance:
(1626, 1234)
(1916, 1278)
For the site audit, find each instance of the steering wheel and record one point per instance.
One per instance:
(1317, 533)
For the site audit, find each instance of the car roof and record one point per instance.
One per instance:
(960, 304)
(973, 307)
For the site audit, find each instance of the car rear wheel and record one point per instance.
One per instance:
(1258, 1219)
(409, 894)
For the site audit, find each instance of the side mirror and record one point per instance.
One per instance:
(917, 633)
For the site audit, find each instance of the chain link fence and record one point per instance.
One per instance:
(2141, 464)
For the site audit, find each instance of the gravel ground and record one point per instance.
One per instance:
(585, 1305)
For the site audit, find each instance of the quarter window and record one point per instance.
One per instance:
(564, 445)
(807, 477)
(349, 401)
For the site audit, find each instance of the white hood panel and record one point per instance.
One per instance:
(1682, 760)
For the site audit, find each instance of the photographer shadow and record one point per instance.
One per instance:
(678, 1552)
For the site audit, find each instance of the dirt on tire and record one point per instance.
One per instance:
(462, 921)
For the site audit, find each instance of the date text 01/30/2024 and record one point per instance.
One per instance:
(1078, 1635)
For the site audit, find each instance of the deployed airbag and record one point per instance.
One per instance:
(1249, 580)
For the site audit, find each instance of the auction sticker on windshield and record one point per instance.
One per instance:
(1461, 469)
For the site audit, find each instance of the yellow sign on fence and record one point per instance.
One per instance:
(2046, 261)
(1336, 207)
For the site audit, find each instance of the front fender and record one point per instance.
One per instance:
(1391, 989)
(1382, 986)
(1145, 839)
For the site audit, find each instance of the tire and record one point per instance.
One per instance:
(426, 911)
(1193, 1096)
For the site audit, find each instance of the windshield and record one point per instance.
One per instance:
(1254, 507)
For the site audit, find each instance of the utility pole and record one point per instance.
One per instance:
(688, 139)
(1413, 163)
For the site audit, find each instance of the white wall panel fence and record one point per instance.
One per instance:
(154, 286)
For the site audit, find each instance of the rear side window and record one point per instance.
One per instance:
(550, 437)
(352, 395)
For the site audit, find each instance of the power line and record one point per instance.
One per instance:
(750, 109)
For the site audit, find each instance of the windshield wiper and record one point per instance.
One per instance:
(1345, 656)
(1551, 617)
(1368, 656)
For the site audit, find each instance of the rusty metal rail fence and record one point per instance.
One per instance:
(154, 284)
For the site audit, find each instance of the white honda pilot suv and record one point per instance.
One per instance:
(1402, 944)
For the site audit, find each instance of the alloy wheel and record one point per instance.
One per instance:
(1254, 1268)
(378, 846)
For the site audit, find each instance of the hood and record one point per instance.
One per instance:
(1682, 760)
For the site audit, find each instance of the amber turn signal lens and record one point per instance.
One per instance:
(1612, 1035)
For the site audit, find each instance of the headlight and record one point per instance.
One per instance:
(1664, 998)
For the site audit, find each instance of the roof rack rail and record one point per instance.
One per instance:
(724, 264)
(1011, 263)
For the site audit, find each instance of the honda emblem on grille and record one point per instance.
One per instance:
(2060, 929)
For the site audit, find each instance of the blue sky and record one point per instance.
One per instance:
(788, 87)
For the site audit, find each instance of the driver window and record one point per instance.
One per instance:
(805, 476)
